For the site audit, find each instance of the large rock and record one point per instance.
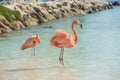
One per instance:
(74, 5)
(25, 8)
(4, 25)
(65, 4)
(31, 22)
(0, 31)
(43, 13)
(4, 28)
(59, 5)
(67, 9)
(64, 13)
(56, 13)
(86, 7)
(16, 25)
(43, 4)
(116, 3)
(4, 20)
(78, 11)
(53, 5)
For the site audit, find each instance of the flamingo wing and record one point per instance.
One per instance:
(61, 33)
(62, 39)
(29, 43)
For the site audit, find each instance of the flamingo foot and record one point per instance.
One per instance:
(61, 61)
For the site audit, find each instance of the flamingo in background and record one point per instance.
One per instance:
(31, 42)
(63, 39)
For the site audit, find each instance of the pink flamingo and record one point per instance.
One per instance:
(63, 39)
(31, 42)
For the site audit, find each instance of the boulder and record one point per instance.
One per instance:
(65, 4)
(94, 9)
(54, 12)
(31, 22)
(64, 13)
(59, 15)
(4, 28)
(74, 5)
(116, 3)
(16, 25)
(110, 4)
(53, 5)
(43, 13)
(67, 9)
(43, 5)
(86, 6)
(4, 20)
(0, 31)
(58, 5)
(23, 8)
(26, 8)
(71, 13)
(78, 11)
(4, 25)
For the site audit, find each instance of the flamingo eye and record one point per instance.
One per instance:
(34, 41)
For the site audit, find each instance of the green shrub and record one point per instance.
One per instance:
(7, 13)
(17, 14)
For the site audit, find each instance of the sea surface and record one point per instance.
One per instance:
(96, 56)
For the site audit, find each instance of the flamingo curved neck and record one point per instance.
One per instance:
(37, 36)
(75, 34)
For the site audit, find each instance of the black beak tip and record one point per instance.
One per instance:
(81, 26)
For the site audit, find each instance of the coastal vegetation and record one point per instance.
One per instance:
(9, 14)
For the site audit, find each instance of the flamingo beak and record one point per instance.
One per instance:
(81, 26)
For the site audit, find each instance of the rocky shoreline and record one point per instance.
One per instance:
(35, 14)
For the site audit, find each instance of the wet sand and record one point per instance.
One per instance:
(32, 69)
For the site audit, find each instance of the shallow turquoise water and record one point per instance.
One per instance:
(95, 57)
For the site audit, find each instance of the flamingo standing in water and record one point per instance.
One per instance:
(31, 42)
(63, 39)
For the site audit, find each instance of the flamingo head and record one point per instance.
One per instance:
(76, 22)
(37, 35)
(38, 38)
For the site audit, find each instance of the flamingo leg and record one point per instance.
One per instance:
(34, 51)
(31, 52)
(61, 56)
